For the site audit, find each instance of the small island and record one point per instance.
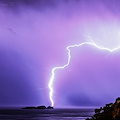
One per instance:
(110, 111)
(39, 107)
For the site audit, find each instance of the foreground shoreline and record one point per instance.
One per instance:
(110, 111)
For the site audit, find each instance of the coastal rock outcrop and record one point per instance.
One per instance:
(49, 107)
(29, 108)
(39, 107)
(108, 112)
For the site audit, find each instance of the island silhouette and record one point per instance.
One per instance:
(39, 107)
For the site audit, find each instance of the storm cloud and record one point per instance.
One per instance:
(34, 35)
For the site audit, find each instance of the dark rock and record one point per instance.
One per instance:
(49, 107)
(41, 107)
(117, 100)
(108, 112)
(29, 108)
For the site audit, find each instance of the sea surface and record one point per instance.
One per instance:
(46, 114)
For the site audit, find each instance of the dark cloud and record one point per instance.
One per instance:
(70, 5)
(35, 4)
(44, 36)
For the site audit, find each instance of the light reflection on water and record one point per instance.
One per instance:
(55, 114)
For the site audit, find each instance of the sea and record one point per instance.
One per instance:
(46, 114)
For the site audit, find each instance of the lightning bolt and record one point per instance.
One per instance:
(92, 43)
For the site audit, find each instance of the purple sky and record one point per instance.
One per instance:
(34, 35)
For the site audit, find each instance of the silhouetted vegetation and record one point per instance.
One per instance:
(49, 107)
(39, 107)
(108, 112)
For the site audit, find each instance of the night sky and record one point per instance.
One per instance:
(34, 35)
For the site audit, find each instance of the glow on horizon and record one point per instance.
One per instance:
(92, 43)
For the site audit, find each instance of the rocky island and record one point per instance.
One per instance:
(110, 111)
(39, 107)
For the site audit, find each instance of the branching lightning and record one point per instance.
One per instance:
(92, 43)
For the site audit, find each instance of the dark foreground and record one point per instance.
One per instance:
(45, 114)
(110, 111)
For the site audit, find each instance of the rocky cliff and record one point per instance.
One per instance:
(108, 112)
